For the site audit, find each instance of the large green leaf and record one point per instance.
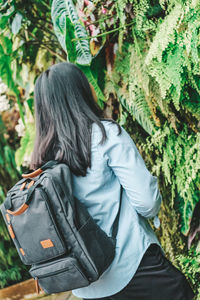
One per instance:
(5, 68)
(88, 73)
(66, 29)
(4, 18)
(70, 46)
(61, 9)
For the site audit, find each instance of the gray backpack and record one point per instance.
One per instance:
(53, 231)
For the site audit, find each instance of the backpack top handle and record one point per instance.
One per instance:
(23, 207)
(33, 174)
(37, 172)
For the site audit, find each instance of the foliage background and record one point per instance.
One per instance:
(143, 59)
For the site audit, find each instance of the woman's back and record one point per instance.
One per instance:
(66, 110)
(115, 162)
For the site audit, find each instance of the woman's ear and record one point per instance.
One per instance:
(93, 92)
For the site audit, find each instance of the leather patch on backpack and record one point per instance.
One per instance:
(47, 243)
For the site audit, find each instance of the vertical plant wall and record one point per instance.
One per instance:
(142, 57)
(153, 72)
(151, 51)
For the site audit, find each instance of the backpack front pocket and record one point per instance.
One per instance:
(36, 234)
(60, 275)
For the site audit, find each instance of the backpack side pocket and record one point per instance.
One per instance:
(59, 275)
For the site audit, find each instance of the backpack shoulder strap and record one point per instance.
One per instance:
(116, 222)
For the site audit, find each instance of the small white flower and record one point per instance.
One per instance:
(3, 88)
(95, 32)
(20, 128)
(27, 160)
(90, 5)
(4, 103)
(115, 48)
(92, 17)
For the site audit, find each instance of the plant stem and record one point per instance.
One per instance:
(98, 21)
(102, 34)
(54, 53)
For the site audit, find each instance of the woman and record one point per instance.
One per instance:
(101, 155)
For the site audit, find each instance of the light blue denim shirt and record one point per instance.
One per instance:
(116, 162)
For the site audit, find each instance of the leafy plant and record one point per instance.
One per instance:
(143, 55)
(73, 38)
(64, 15)
(155, 77)
(190, 265)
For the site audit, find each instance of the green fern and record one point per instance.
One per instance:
(190, 266)
(10, 275)
(143, 23)
(180, 168)
(168, 74)
(139, 110)
(165, 34)
(120, 9)
(6, 73)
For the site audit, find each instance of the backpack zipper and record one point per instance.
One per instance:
(49, 263)
(37, 286)
(52, 216)
(60, 271)
(53, 273)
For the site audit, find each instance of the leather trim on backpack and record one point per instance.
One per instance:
(23, 186)
(31, 183)
(22, 251)
(8, 218)
(11, 231)
(19, 211)
(33, 174)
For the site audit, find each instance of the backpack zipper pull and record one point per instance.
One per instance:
(36, 285)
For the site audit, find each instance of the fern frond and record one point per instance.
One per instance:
(168, 74)
(139, 109)
(165, 35)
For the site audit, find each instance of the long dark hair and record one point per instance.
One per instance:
(64, 112)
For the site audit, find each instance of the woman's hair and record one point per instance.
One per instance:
(64, 112)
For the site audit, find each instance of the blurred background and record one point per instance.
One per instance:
(143, 59)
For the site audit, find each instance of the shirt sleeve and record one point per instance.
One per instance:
(124, 159)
